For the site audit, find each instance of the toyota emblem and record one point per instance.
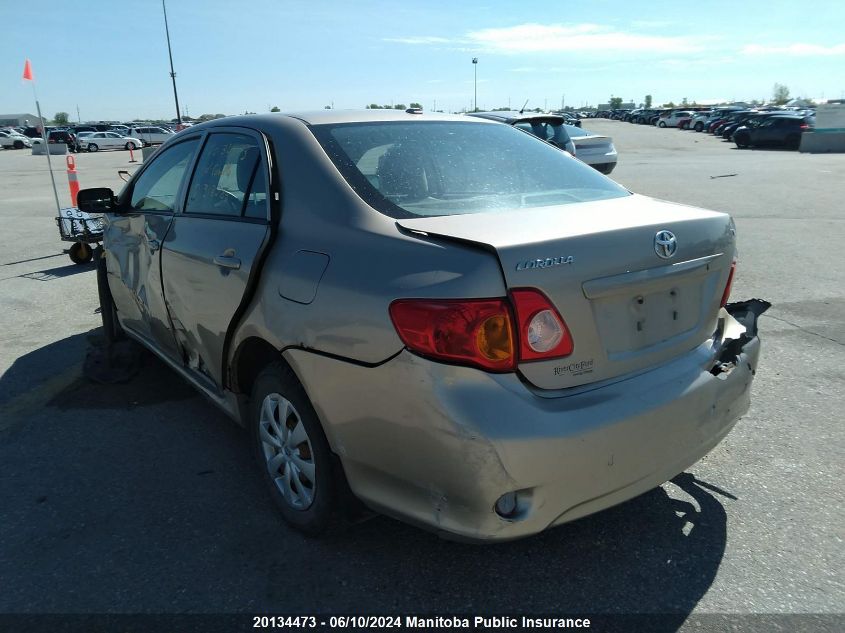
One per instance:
(665, 244)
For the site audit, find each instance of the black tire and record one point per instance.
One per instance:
(312, 520)
(18, 145)
(112, 332)
(741, 140)
(130, 145)
(80, 253)
(699, 126)
(92, 147)
(793, 141)
(661, 124)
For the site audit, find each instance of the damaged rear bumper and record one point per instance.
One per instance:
(445, 443)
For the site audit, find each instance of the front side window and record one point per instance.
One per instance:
(224, 176)
(452, 167)
(157, 187)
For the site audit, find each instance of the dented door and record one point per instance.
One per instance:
(133, 239)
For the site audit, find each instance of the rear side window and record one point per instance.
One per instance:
(433, 168)
(157, 187)
(224, 177)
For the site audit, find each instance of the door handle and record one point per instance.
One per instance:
(228, 260)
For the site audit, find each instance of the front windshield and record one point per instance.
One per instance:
(449, 168)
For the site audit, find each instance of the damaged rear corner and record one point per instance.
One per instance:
(737, 328)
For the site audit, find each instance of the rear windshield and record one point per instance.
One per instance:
(430, 168)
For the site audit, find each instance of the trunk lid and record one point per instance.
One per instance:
(592, 145)
(627, 308)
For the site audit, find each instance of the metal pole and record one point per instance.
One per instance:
(475, 83)
(172, 74)
(47, 149)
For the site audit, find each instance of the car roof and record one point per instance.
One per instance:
(323, 117)
(512, 116)
(320, 117)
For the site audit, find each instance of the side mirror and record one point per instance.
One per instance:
(96, 200)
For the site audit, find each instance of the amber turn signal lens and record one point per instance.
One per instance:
(494, 338)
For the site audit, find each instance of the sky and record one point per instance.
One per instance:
(108, 58)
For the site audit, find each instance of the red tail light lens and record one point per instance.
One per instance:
(727, 293)
(542, 332)
(477, 332)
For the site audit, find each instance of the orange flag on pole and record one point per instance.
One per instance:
(27, 71)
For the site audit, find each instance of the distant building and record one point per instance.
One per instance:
(16, 120)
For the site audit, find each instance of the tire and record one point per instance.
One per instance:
(80, 253)
(741, 140)
(299, 478)
(793, 141)
(92, 147)
(130, 146)
(18, 145)
(699, 126)
(662, 124)
(108, 312)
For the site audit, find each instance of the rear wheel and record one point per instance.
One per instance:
(292, 451)
(18, 145)
(793, 141)
(92, 147)
(699, 126)
(130, 145)
(80, 253)
(662, 124)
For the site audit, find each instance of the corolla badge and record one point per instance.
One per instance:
(665, 244)
(548, 262)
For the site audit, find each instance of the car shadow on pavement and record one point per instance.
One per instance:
(59, 272)
(155, 490)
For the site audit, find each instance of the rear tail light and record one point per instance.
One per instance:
(727, 293)
(804, 126)
(542, 331)
(492, 334)
(477, 332)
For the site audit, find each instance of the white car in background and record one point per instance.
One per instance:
(81, 136)
(673, 118)
(596, 150)
(13, 140)
(150, 134)
(109, 140)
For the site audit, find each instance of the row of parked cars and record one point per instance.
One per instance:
(747, 127)
(89, 138)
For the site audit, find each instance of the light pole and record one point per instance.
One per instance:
(475, 83)
(172, 74)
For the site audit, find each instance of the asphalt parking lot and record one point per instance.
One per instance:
(141, 498)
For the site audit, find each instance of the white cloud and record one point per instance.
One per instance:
(426, 39)
(794, 49)
(541, 38)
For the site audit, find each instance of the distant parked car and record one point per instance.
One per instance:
(63, 136)
(81, 136)
(595, 150)
(673, 118)
(775, 130)
(151, 135)
(110, 140)
(698, 120)
(12, 140)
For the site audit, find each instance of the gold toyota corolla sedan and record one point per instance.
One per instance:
(450, 319)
